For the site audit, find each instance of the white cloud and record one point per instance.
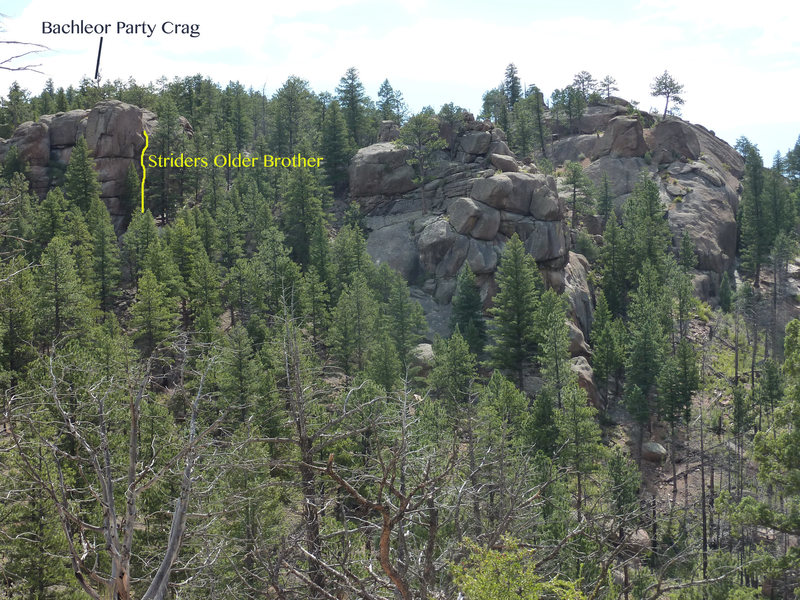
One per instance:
(732, 56)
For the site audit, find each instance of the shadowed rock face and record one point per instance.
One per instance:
(113, 132)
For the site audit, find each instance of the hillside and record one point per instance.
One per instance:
(554, 342)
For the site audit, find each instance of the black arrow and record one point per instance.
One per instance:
(97, 69)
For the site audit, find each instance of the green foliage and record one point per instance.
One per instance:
(353, 322)
(505, 574)
(551, 324)
(153, 314)
(303, 212)
(581, 191)
(666, 86)
(514, 333)
(467, 312)
(81, 186)
(63, 305)
(354, 102)
(453, 371)
(391, 105)
(105, 274)
(421, 135)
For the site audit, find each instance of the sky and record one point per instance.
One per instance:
(739, 61)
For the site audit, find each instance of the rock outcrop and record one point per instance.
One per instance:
(698, 176)
(113, 132)
(473, 209)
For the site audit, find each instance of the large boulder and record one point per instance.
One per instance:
(623, 173)
(596, 118)
(33, 143)
(389, 131)
(623, 138)
(114, 129)
(583, 370)
(66, 128)
(475, 142)
(381, 169)
(706, 214)
(474, 218)
(674, 140)
(654, 452)
(579, 295)
(494, 191)
(504, 162)
(394, 245)
(547, 240)
(574, 148)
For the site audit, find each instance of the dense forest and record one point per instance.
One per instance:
(224, 396)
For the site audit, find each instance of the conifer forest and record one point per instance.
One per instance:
(548, 350)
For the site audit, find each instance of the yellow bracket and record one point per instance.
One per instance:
(144, 170)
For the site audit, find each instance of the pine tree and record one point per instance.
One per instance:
(579, 437)
(608, 85)
(130, 200)
(607, 343)
(51, 218)
(421, 135)
(551, 323)
(207, 231)
(605, 202)
(584, 82)
(390, 103)
(153, 314)
(335, 147)
(646, 229)
(677, 382)
(513, 332)
(580, 191)
(350, 257)
(229, 225)
(238, 376)
(302, 212)
(755, 223)
(81, 185)
(614, 257)
(204, 291)
(136, 241)
(16, 317)
(384, 364)
(353, 325)
(725, 293)
(316, 301)
(540, 426)
(686, 256)
(353, 99)
(63, 304)
(405, 321)
(512, 86)
(280, 278)
(467, 311)
(454, 371)
(106, 274)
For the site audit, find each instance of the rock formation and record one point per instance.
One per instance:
(698, 175)
(477, 202)
(113, 132)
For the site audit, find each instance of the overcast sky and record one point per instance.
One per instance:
(739, 61)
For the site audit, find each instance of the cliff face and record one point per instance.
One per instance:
(699, 176)
(113, 132)
(478, 197)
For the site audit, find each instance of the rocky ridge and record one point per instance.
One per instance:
(699, 177)
(113, 133)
